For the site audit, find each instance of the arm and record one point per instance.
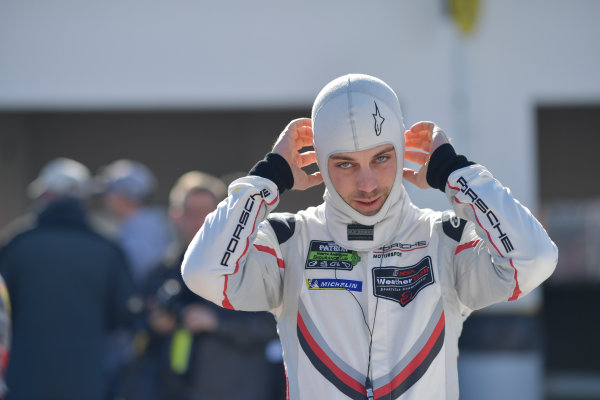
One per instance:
(503, 252)
(235, 260)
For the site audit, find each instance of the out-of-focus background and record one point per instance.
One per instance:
(196, 85)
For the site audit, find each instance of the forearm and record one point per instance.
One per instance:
(515, 239)
(224, 244)
(505, 252)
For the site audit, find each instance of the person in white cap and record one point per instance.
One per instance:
(60, 178)
(369, 291)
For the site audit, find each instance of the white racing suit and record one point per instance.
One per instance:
(393, 313)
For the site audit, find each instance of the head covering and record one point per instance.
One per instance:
(129, 178)
(352, 113)
(64, 177)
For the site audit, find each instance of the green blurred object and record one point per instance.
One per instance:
(181, 347)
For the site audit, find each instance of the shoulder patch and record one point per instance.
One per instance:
(284, 225)
(452, 225)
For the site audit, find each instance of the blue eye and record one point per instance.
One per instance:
(381, 159)
(345, 165)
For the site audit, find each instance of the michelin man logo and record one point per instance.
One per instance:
(378, 120)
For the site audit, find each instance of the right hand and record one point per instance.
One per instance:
(297, 135)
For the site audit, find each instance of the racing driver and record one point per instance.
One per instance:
(369, 291)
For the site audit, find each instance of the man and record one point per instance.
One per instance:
(369, 291)
(68, 287)
(144, 232)
(197, 347)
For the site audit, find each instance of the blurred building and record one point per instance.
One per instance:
(515, 84)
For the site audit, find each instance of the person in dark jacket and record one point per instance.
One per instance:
(68, 287)
(195, 342)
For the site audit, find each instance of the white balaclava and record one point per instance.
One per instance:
(352, 113)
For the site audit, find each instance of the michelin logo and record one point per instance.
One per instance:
(343, 284)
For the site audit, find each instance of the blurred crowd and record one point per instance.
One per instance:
(92, 304)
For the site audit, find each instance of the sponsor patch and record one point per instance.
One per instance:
(396, 249)
(360, 232)
(452, 225)
(328, 255)
(402, 284)
(339, 284)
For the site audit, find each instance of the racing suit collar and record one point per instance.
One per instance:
(400, 215)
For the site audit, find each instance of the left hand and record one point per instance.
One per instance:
(422, 139)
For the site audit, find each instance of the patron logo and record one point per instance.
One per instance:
(241, 225)
(402, 284)
(491, 216)
(340, 284)
(328, 255)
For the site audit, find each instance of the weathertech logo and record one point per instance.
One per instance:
(402, 284)
(378, 120)
(492, 218)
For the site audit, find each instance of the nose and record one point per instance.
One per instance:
(366, 180)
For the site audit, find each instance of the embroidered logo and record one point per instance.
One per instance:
(378, 120)
(402, 284)
(340, 284)
(398, 248)
(360, 232)
(328, 255)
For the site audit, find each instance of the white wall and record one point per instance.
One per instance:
(189, 53)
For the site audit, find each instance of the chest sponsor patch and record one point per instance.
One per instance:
(396, 249)
(328, 255)
(402, 284)
(340, 284)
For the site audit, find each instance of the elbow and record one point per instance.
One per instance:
(192, 275)
(200, 278)
(547, 259)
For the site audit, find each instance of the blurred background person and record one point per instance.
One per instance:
(193, 344)
(144, 233)
(143, 230)
(5, 328)
(68, 287)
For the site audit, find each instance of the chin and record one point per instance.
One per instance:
(369, 213)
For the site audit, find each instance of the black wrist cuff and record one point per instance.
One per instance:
(275, 168)
(442, 163)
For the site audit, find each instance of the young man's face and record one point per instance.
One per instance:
(364, 178)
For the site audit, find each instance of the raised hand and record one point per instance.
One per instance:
(297, 135)
(421, 141)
